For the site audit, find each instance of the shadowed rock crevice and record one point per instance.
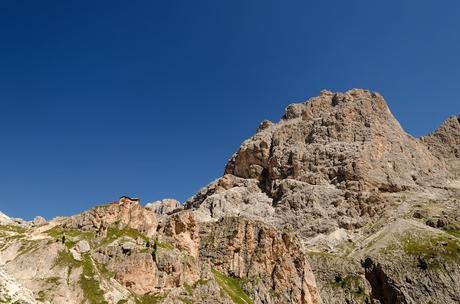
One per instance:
(383, 288)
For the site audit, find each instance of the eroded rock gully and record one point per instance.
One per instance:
(383, 288)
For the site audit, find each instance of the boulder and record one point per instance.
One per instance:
(82, 246)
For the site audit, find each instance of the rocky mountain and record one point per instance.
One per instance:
(5, 219)
(335, 203)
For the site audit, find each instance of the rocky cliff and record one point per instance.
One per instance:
(124, 253)
(335, 203)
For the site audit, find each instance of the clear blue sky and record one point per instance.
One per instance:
(150, 98)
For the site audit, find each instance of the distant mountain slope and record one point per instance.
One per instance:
(4, 219)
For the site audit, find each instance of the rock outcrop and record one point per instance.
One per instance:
(126, 213)
(39, 221)
(12, 291)
(164, 207)
(445, 141)
(5, 220)
(231, 196)
(271, 261)
(350, 140)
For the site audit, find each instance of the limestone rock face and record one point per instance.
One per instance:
(250, 249)
(445, 144)
(184, 260)
(349, 140)
(164, 207)
(182, 230)
(231, 196)
(5, 219)
(338, 170)
(125, 213)
(39, 221)
(445, 141)
(187, 253)
(322, 167)
(12, 291)
(83, 246)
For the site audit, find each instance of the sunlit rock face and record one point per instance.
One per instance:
(337, 169)
(323, 166)
(334, 203)
(348, 140)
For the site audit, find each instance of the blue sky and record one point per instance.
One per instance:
(100, 99)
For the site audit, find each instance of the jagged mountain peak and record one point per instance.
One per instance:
(354, 102)
(326, 165)
(346, 139)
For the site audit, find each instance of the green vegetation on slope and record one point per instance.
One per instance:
(28, 246)
(152, 298)
(455, 233)
(87, 281)
(431, 250)
(190, 288)
(65, 259)
(12, 228)
(231, 286)
(114, 233)
(51, 283)
(68, 236)
(354, 284)
(89, 284)
(57, 232)
(164, 245)
(160, 245)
